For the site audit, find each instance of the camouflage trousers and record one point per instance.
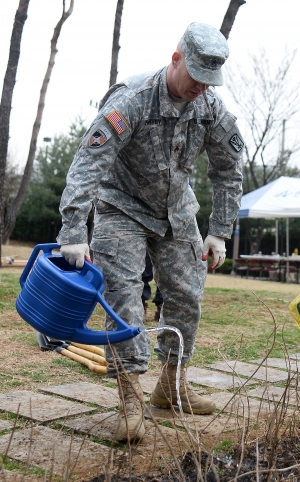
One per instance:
(119, 246)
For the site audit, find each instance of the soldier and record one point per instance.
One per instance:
(133, 165)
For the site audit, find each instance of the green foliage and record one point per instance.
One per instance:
(39, 219)
(267, 245)
(9, 290)
(20, 467)
(225, 268)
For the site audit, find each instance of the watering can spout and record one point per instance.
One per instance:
(57, 299)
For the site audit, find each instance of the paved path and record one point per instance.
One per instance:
(68, 429)
(241, 283)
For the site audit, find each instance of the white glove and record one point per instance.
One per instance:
(75, 253)
(217, 246)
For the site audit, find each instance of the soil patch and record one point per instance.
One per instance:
(231, 282)
(264, 462)
(17, 249)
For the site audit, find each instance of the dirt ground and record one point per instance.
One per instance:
(236, 282)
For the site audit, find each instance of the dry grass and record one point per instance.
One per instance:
(236, 324)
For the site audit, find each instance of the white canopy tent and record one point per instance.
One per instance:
(278, 199)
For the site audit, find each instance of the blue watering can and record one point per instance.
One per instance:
(57, 299)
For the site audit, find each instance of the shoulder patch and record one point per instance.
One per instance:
(99, 137)
(117, 122)
(236, 142)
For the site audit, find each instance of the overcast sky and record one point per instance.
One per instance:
(150, 32)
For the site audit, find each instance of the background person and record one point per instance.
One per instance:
(147, 277)
(134, 165)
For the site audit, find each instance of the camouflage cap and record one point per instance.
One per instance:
(205, 50)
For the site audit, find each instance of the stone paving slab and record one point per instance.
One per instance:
(38, 407)
(207, 424)
(247, 369)
(212, 379)
(103, 425)
(158, 440)
(5, 425)
(200, 376)
(244, 406)
(53, 450)
(86, 392)
(295, 356)
(275, 393)
(279, 363)
(148, 380)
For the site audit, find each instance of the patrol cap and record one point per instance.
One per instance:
(205, 49)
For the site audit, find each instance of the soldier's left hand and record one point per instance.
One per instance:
(217, 247)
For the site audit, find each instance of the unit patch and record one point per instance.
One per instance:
(236, 142)
(117, 122)
(99, 137)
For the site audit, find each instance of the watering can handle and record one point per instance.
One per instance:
(123, 331)
(85, 335)
(47, 248)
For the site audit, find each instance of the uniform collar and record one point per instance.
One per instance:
(192, 110)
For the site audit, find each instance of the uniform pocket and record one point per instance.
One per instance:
(195, 140)
(228, 135)
(223, 127)
(158, 150)
(108, 246)
(192, 155)
(197, 247)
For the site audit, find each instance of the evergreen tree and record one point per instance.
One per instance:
(39, 219)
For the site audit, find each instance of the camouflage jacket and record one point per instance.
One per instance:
(138, 155)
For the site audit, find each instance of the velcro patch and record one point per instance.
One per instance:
(117, 122)
(236, 143)
(100, 136)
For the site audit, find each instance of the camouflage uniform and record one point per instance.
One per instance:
(133, 165)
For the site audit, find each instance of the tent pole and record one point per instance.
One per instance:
(287, 250)
(276, 236)
(287, 237)
(236, 242)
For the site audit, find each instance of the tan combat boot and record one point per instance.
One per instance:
(164, 394)
(131, 423)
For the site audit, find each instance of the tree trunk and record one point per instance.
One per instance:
(6, 99)
(229, 17)
(116, 45)
(13, 209)
(113, 74)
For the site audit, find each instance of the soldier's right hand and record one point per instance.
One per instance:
(75, 253)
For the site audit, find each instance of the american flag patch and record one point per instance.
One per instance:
(117, 121)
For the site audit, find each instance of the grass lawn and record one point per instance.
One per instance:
(236, 324)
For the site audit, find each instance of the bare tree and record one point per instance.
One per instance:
(6, 99)
(230, 15)
(11, 182)
(116, 46)
(12, 211)
(265, 98)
